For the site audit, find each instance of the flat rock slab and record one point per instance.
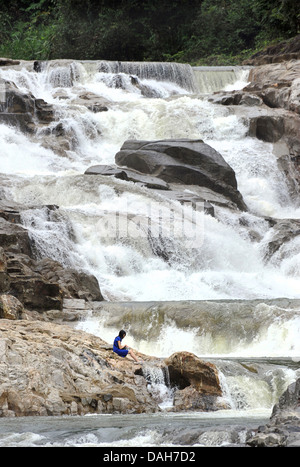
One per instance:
(128, 175)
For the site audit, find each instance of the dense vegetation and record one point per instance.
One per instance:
(195, 31)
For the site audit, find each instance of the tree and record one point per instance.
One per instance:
(180, 30)
(279, 16)
(224, 26)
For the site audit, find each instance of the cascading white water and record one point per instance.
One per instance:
(181, 74)
(159, 384)
(211, 79)
(217, 261)
(124, 267)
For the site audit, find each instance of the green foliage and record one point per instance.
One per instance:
(195, 31)
(29, 32)
(279, 16)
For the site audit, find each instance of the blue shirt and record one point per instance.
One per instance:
(117, 350)
(116, 345)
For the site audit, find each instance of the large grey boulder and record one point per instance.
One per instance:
(182, 161)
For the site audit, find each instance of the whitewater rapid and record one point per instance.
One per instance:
(227, 263)
(101, 224)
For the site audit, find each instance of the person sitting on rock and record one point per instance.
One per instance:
(123, 350)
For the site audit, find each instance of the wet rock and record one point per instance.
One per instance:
(267, 128)
(284, 426)
(186, 369)
(236, 98)
(129, 175)
(182, 161)
(290, 166)
(282, 231)
(38, 283)
(91, 101)
(275, 117)
(145, 90)
(44, 111)
(197, 383)
(202, 197)
(288, 406)
(22, 110)
(8, 62)
(190, 399)
(268, 440)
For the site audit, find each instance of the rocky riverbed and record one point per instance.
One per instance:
(52, 369)
(48, 367)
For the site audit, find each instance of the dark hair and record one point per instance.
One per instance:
(122, 334)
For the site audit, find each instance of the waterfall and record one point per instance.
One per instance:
(209, 328)
(159, 386)
(180, 74)
(208, 268)
(212, 79)
(254, 344)
(215, 296)
(68, 73)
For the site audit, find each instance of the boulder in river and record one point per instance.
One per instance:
(184, 162)
(197, 382)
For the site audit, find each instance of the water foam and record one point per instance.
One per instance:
(223, 262)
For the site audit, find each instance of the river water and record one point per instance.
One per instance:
(216, 295)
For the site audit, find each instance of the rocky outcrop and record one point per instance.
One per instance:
(197, 382)
(281, 232)
(170, 165)
(282, 52)
(189, 162)
(38, 118)
(73, 283)
(183, 162)
(278, 85)
(52, 369)
(39, 284)
(271, 103)
(22, 109)
(284, 426)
